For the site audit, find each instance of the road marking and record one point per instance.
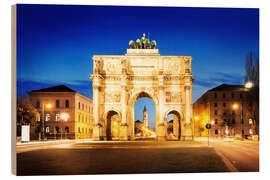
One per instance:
(227, 162)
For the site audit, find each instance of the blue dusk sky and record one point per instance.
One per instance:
(55, 43)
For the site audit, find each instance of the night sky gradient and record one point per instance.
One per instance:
(55, 43)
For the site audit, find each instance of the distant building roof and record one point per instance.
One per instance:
(227, 87)
(61, 88)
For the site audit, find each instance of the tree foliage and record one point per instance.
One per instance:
(252, 68)
(252, 75)
(26, 112)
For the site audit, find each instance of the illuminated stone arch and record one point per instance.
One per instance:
(119, 80)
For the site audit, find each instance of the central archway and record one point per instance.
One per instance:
(131, 113)
(145, 119)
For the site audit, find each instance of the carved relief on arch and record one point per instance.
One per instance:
(112, 67)
(173, 97)
(172, 66)
(112, 97)
(187, 60)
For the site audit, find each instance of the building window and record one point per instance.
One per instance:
(79, 117)
(47, 130)
(216, 112)
(47, 117)
(242, 121)
(233, 121)
(57, 104)
(66, 129)
(233, 112)
(82, 106)
(224, 113)
(224, 95)
(38, 117)
(240, 96)
(57, 117)
(67, 103)
(79, 130)
(216, 121)
(232, 95)
(243, 131)
(224, 104)
(79, 105)
(216, 131)
(57, 129)
(215, 104)
(38, 104)
(82, 130)
(215, 95)
(250, 131)
(250, 121)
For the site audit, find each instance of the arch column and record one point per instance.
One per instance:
(124, 126)
(97, 125)
(188, 111)
(161, 130)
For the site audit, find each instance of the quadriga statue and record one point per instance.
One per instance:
(153, 44)
(138, 44)
(132, 44)
(147, 43)
(143, 43)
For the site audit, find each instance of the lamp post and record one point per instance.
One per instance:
(48, 106)
(235, 106)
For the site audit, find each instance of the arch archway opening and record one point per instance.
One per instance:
(173, 128)
(113, 125)
(144, 117)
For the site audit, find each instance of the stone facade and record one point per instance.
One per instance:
(120, 80)
(77, 110)
(216, 106)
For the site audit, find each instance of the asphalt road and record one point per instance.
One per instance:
(243, 156)
(134, 157)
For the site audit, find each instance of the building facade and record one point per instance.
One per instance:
(227, 109)
(67, 114)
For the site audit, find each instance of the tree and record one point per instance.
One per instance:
(26, 112)
(252, 75)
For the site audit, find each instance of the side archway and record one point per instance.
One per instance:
(112, 125)
(174, 126)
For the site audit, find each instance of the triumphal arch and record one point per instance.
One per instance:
(120, 80)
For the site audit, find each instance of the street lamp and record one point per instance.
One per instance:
(248, 85)
(48, 106)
